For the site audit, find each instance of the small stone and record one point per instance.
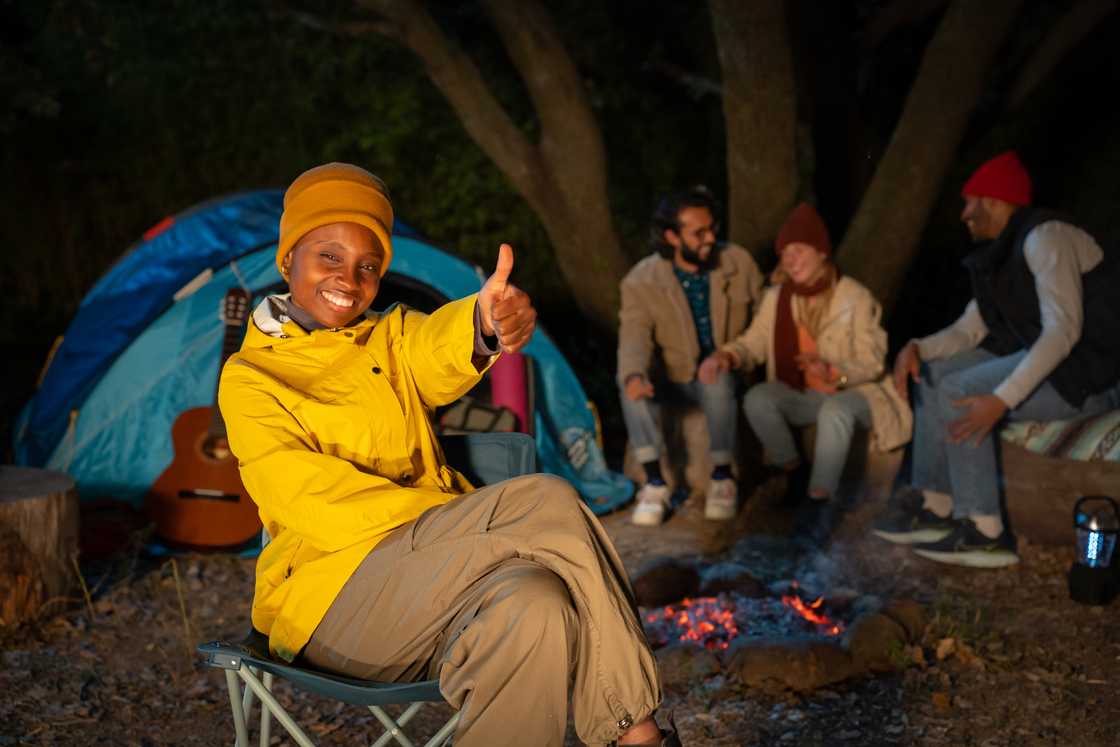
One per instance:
(665, 580)
(683, 664)
(876, 643)
(776, 666)
(909, 614)
(731, 577)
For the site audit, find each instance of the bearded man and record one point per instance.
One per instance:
(679, 304)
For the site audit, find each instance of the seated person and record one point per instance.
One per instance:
(818, 333)
(384, 562)
(1040, 340)
(678, 304)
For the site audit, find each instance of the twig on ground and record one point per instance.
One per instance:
(183, 610)
(85, 589)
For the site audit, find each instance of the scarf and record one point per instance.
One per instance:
(786, 346)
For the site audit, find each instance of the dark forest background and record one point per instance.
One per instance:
(117, 114)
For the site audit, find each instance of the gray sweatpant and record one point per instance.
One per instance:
(507, 594)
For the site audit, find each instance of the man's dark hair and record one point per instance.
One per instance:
(666, 216)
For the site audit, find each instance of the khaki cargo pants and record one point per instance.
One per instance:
(507, 595)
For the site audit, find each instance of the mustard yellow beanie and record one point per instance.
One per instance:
(335, 193)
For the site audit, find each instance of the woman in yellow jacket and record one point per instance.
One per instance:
(384, 562)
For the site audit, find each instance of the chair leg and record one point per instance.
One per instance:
(266, 714)
(394, 729)
(242, 733)
(443, 736)
(269, 702)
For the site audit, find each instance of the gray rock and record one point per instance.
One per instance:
(664, 580)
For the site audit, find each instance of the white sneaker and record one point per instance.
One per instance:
(722, 501)
(651, 505)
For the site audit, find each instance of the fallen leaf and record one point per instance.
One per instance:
(940, 701)
(945, 648)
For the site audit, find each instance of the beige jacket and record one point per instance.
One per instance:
(853, 341)
(655, 314)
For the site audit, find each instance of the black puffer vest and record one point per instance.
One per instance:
(1004, 289)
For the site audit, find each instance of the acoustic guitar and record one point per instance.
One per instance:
(199, 502)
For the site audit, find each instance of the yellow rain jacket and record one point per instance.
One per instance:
(332, 433)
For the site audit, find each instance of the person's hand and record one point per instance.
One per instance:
(638, 387)
(981, 414)
(715, 364)
(906, 366)
(505, 309)
(813, 364)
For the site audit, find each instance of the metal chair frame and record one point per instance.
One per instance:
(250, 670)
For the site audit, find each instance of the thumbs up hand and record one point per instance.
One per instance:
(505, 309)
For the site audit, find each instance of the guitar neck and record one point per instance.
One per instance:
(231, 341)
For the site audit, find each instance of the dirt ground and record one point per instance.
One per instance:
(1007, 658)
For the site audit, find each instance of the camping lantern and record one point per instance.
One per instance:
(1093, 579)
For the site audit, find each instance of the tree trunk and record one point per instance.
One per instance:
(760, 113)
(39, 524)
(563, 177)
(883, 237)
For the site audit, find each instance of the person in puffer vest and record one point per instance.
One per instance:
(385, 563)
(1040, 340)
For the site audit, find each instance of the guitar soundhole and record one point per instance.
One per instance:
(215, 448)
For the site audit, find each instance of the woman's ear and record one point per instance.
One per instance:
(286, 264)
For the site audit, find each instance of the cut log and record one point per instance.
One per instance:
(1041, 491)
(40, 508)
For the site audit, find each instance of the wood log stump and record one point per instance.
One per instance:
(1041, 491)
(40, 509)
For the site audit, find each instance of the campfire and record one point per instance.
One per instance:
(714, 622)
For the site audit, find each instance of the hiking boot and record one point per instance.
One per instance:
(968, 546)
(907, 521)
(722, 500)
(652, 501)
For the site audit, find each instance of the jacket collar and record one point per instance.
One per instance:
(272, 320)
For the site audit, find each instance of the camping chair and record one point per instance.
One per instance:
(485, 458)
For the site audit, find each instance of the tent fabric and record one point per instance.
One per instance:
(135, 356)
(131, 295)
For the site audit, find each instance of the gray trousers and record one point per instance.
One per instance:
(508, 595)
(773, 406)
(970, 473)
(717, 401)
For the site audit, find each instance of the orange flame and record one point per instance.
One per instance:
(809, 611)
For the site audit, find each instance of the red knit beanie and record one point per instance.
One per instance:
(804, 225)
(1003, 177)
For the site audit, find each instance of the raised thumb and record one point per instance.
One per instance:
(503, 268)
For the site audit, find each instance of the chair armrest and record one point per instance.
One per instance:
(487, 458)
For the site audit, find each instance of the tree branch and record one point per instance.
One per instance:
(461, 83)
(883, 237)
(1074, 26)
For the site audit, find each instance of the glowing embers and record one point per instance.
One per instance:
(709, 621)
(714, 622)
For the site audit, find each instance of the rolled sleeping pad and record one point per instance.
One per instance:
(509, 387)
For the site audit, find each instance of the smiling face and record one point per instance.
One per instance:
(803, 263)
(334, 272)
(985, 217)
(694, 240)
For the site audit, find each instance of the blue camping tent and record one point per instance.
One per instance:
(145, 344)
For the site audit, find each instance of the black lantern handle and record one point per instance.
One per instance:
(1077, 506)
